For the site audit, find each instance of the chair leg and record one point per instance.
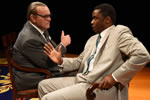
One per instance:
(20, 99)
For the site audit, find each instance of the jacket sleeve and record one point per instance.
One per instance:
(63, 49)
(33, 51)
(137, 55)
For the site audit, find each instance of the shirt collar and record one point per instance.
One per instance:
(36, 28)
(105, 31)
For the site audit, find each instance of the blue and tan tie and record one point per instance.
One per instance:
(85, 70)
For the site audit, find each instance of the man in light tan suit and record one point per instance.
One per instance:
(116, 59)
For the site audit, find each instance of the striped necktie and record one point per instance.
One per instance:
(46, 36)
(49, 39)
(85, 70)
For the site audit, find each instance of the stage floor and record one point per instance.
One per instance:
(139, 88)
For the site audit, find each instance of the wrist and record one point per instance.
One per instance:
(60, 61)
(63, 44)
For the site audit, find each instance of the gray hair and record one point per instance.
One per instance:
(32, 8)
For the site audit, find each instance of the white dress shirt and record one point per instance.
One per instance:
(41, 32)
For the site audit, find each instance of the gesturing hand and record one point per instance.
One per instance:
(107, 82)
(65, 39)
(54, 55)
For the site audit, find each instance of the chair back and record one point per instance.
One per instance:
(8, 41)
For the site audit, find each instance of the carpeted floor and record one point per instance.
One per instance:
(5, 84)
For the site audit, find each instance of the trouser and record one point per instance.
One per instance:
(64, 88)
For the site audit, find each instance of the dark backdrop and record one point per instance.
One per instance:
(74, 16)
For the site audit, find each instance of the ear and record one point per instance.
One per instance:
(32, 18)
(107, 19)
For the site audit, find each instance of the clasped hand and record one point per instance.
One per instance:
(107, 82)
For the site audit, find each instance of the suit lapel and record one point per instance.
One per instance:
(43, 39)
(103, 41)
(53, 43)
(36, 32)
(93, 48)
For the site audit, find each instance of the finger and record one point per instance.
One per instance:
(48, 50)
(100, 85)
(47, 47)
(50, 45)
(59, 49)
(70, 38)
(105, 84)
(62, 33)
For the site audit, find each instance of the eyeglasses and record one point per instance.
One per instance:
(44, 16)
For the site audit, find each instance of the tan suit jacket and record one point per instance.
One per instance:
(121, 54)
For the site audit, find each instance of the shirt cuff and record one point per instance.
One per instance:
(62, 44)
(61, 66)
(115, 78)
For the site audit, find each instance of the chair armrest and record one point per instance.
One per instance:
(70, 55)
(89, 93)
(40, 70)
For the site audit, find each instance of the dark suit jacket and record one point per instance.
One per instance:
(28, 52)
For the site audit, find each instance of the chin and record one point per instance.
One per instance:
(95, 31)
(48, 27)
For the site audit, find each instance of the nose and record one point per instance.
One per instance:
(92, 21)
(49, 18)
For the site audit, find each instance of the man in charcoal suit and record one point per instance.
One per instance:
(28, 48)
